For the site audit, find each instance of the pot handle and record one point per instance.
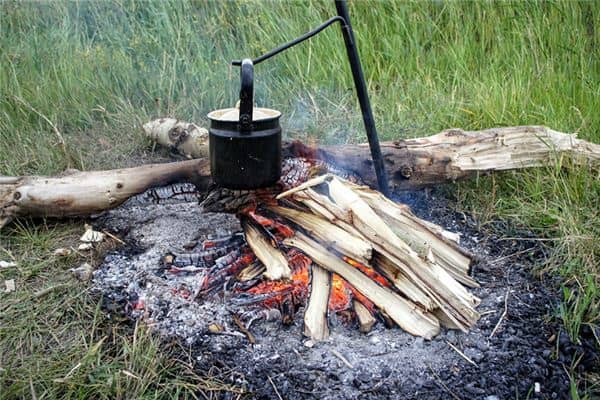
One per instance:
(246, 96)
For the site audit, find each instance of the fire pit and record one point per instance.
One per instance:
(191, 275)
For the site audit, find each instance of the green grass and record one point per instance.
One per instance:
(94, 71)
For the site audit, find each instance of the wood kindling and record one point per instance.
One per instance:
(365, 318)
(328, 233)
(403, 312)
(422, 237)
(276, 265)
(315, 316)
(419, 259)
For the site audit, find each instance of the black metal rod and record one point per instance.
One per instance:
(294, 42)
(363, 97)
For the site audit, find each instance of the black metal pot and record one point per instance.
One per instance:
(245, 144)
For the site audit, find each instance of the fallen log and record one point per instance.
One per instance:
(412, 163)
(78, 193)
(447, 156)
(186, 138)
(455, 154)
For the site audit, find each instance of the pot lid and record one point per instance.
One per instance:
(233, 114)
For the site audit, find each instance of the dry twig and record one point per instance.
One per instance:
(502, 316)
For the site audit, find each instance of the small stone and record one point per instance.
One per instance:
(537, 388)
(62, 252)
(9, 285)
(309, 343)
(83, 272)
(7, 264)
(491, 397)
(85, 247)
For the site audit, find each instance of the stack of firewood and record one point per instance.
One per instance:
(418, 269)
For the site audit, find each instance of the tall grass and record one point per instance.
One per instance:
(102, 67)
(94, 71)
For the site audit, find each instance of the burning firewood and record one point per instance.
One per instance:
(421, 235)
(274, 261)
(364, 316)
(315, 316)
(404, 313)
(328, 233)
(419, 260)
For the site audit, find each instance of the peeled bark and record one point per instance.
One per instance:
(85, 193)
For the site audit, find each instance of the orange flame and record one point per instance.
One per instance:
(370, 272)
(339, 298)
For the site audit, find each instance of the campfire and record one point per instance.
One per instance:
(330, 246)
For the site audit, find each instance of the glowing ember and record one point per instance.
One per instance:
(339, 298)
(370, 272)
(281, 229)
(296, 287)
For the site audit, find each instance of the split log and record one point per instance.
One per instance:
(78, 193)
(403, 312)
(421, 236)
(273, 259)
(364, 316)
(315, 316)
(428, 280)
(403, 283)
(328, 233)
